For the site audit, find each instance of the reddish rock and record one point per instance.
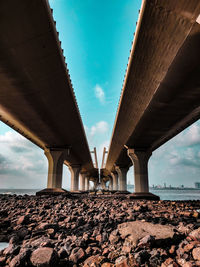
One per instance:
(196, 253)
(114, 238)
(99, 238)
(121, 262)
(77, 254)
(189, 247)
(107, 264)
(93, 261)
(23, 220)
(195, 235)
(44, 257)
(172, 249)
(146, 241)
(134, 231)
(2, 261)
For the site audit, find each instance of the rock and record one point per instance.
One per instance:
(44, 257)
(11, 250)
(196, 253)
(121, 262)
(2, 261)
(107, 264)
(17, 262)
(114, 238)
(146, 241)
(195, 235)
(141, 257)
(132, 232)
(93, 261)
(76, 255)
(21, 258)
(23, 220)
(188, 264)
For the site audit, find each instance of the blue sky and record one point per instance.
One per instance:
(96, 37)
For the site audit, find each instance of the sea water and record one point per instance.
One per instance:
(3, 245)
(164, 194)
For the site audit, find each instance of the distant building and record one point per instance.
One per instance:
(197, 185)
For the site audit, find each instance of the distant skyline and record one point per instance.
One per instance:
(96, 37)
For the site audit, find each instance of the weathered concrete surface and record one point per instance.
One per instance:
(160, 95)
(37, 98)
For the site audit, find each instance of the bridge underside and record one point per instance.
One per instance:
(36, 94)
(161, 95)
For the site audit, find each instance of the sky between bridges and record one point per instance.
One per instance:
(96, 37)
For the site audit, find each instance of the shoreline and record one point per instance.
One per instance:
(86, 231)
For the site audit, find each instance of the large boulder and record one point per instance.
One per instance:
(132, 232)
(44, 257)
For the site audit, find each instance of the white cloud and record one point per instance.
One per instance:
(100, 127)
(99, 93)
(22, 164)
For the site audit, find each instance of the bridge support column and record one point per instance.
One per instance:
(55, 158)
(87, 182)
(115, 180)
(82, 181)
(75, 170)
(140, 161)
(111, 184)
(122, 172)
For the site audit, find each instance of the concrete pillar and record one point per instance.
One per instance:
(87, 180)
(75, 170)
(140, 162)
(111, 184)
(82, 181)
(122, 172)
(115, 180)
(55, 159)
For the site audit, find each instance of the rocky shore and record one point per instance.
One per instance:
(86, 230)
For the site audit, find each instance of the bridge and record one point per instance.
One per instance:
(159, 99)
(160, 95)
(36, 94)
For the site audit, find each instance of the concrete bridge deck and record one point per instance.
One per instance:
(161, 95)
(36, 93)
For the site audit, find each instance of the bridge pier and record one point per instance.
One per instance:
(55, 158)
(122, 178)
(75, 170)
(115, 180)
(87, 182)
(140, 161)
(111, 184)
(82, 180)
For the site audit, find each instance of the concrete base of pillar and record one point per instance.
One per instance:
(52, 191)
(143, 195)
